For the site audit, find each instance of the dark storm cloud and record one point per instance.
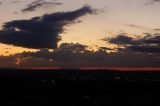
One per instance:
(40, 32)
(39, 3)
(149, 43)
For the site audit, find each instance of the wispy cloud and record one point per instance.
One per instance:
(152, 2)
(39, 4)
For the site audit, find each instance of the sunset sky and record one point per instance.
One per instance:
(79, 33)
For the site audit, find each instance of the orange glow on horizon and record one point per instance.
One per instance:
(103, 68)
(125, 68)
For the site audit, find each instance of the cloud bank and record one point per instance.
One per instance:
(70, 55)
(148, 44)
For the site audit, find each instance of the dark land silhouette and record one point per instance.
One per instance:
(76, 87)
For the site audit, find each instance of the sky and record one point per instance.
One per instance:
(79, 33)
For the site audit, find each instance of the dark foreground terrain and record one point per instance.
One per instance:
(50, 87)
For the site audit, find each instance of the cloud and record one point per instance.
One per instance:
(152, 2)
(38, 4)
(105, 48)
(138, 26)
(122, 40)
(15, 1)
(149, 43)
(147, 49)
(65, 52)
(40, 32)
(70, 55)
(157, 29)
